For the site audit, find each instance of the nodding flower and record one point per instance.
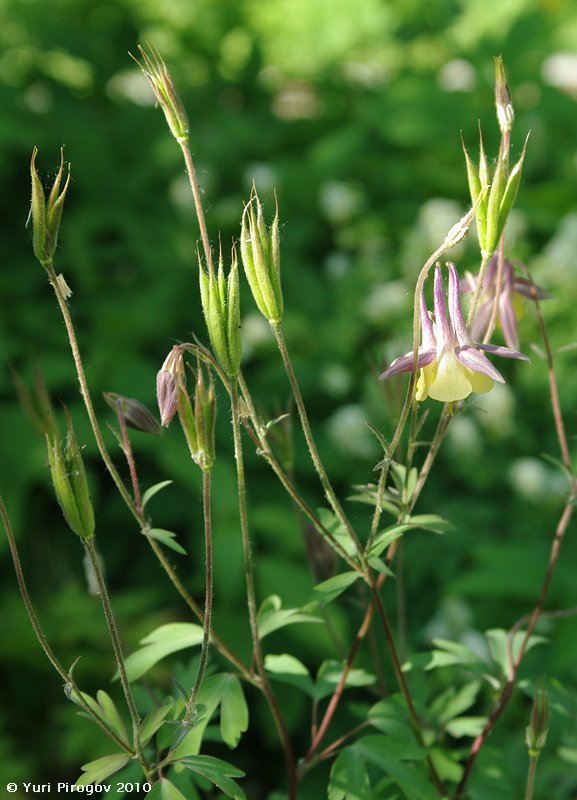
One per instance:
(171, 371)
(450, 364)
(510, 303)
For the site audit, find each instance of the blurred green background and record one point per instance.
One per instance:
(351, 110)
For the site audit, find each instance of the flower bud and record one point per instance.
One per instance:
(260, 253)
(46, 214)
(160, 80)
(166, 384)
(505, 111)
(135, 414)
(70, 484)
(536, 732)
(221, 307)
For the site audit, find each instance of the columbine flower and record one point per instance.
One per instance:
(451, 365)
(510, 303)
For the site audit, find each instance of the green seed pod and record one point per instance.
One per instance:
(494, 204)
(46, 215)
(260, 253)
(70, 484)
(511, 189)
(205, 412)
(538, 728)
(221, 307)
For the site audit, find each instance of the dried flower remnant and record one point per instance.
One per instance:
(451, 365)
(510, 301)
(135, 414)
(161, 83)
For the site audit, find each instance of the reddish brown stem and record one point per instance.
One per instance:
(127, 447)
(560, 531)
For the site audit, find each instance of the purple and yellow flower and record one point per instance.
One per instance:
(450, 364)
(510, 303)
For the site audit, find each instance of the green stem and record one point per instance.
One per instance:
(264, 449)
(129, 457)
(206, 507)
(403, 685)
(324, 478)
(531, 777)
(195, 189)
(85, 392)
(250, 591)
(66, 676)
(409, 397)
(118, 654)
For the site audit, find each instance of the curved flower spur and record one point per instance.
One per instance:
(451, 365)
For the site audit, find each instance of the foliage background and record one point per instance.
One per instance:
(352, 111)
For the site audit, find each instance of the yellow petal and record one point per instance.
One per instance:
(451, 381)
(426, 377)
(481, 383)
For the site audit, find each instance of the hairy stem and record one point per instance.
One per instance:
(560, 532)
(265, 450)
(85, 392)
(206, 508)
(251, 598)
(404, 687)
(129, 457)
(195, 189)
(409, 397)
(531, 777)
(66, 676)
(118, 654)
(318, 464)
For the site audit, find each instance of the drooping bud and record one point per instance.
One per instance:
(221, 307)
(198, 423)
(46, 214)
(160, 80)
(69, 479)
(135, 414)
(536, 732)
(166, 384)
(260, 253)
(505, 111)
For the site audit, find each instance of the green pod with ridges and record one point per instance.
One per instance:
(511, 189)
(79, 483)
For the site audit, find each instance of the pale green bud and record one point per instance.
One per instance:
(70, 484)
(260, 253)
(503, 103)
(46, 214)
